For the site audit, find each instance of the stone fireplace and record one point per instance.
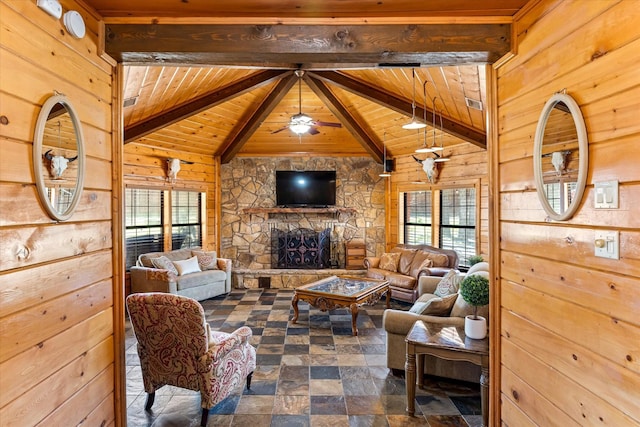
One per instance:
(249, 214)
(301, 248)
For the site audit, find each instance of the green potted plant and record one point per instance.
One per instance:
(475, 291)
(474, 259)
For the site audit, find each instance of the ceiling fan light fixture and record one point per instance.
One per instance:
(299, 128)
(441, 159)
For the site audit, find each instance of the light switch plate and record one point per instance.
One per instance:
(606, 195)
(607, 244)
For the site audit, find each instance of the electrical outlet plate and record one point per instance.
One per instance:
(607, 244)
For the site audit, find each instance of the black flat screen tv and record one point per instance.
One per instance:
(305, 188)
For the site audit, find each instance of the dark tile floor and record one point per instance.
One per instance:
(313, 373)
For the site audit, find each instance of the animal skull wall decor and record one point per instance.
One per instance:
(173, 167)
(58, 164)
(430, 168)
(558, 160)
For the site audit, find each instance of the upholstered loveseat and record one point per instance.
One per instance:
(405, 264)
(448, 310)
(190, 272)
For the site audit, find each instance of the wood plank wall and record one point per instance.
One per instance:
(569, 328)
(146, 167)
(57, 341)
(467, 167)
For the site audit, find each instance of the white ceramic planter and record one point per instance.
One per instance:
(475, 328)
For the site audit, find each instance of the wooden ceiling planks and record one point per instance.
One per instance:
(161, 88)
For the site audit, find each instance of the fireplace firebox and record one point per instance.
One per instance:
(301, 248)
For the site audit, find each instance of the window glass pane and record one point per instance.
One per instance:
(186, 227)
(143, 223)
(457, 222)
(417, 221)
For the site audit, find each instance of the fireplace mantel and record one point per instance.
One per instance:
(276, 210)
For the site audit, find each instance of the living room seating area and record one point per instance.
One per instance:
(312, 373)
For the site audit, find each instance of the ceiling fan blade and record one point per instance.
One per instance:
(330, 124)
(281, 129)
(313, 131)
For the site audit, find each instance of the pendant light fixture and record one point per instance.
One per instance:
(424, 148)
(413, 124)
(435, 147)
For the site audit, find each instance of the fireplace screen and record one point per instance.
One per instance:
(301, 248)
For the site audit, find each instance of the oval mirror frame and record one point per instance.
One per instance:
(583, 153)
(38, 166)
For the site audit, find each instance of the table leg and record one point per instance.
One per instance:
(354, 318)
(410, 374)
(420, 369)
(294, 303)
(484, 395)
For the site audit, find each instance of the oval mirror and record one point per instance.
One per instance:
(58, 157)
(560, 157)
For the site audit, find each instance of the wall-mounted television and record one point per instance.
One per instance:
(305, 188)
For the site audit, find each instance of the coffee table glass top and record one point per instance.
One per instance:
(347, 286)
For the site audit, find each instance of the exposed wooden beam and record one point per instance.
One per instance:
(429, 44)
(204, 102)
(242, 132)
(341, 112)
(400, 105)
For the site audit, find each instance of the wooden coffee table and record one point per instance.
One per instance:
(445, 342)
(341, 291)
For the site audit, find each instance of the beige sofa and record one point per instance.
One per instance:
(413, 263)
(397, 324)
(199, 285)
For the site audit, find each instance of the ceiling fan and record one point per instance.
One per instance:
(301, 123)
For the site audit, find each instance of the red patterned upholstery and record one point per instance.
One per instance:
(176, 347)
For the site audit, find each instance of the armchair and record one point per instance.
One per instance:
(177, 347)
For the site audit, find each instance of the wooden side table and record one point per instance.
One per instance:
(355, 252)
(445, 342)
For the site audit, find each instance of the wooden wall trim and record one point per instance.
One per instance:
(494, 246)
(117, 143)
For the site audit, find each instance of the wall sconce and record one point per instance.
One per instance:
(72, 20)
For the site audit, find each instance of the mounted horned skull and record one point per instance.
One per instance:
(173, 167)
(429, 167)
(58, 164)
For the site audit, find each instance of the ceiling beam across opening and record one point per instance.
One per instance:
(300, 46)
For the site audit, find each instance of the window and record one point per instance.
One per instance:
(186, 220)
(458, 222)
(145, 220)
(417, 209)
(445, 218)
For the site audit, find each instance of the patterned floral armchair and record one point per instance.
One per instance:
(176, 347)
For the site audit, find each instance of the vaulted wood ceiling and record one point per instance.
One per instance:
(217, 78)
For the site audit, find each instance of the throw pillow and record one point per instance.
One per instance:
(389, 261)
(435, 306)
(206, 260)
(187, 266)
(164, 263)
(448, 284)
